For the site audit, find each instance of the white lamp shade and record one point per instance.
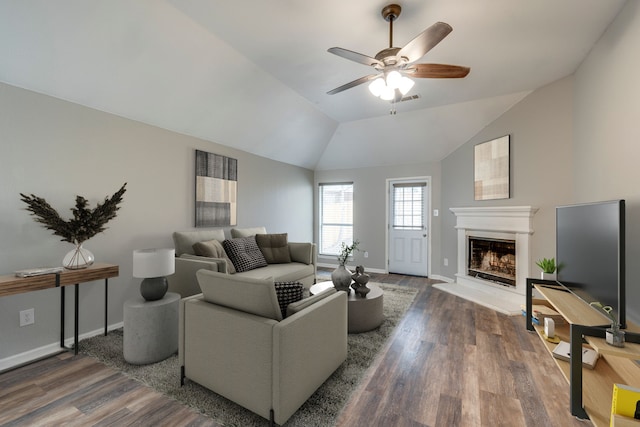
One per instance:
(377, 86)
(393, 79)
(153, 262)
(405, 85)
(388, 93)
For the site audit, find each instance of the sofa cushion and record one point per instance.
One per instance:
(287, 293)
(274, 247)
(247, 232)
(254, 296)
(291, 272)
(213, 249)
(300, 305)
(184, 240)
(244, 253)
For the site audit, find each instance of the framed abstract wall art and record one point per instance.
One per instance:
(216, 190)
(491, 169)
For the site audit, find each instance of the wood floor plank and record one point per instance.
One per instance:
(449, 411)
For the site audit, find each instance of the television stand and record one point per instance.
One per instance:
(590, 390)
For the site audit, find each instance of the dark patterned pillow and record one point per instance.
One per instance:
(244, 253)
(288, 292)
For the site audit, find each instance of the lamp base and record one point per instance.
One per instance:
(154, 288)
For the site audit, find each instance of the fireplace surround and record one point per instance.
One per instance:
(502, 223)
(510, 223)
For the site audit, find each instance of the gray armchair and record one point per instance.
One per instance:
(234, 342)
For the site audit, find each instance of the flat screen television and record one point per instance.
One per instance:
(590, 253)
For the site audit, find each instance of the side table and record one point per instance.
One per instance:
(150, 329)
(364, 314)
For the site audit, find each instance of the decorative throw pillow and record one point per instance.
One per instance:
(247, 232)
(274, 247)
(213, 249)
(287, 293)
(244, 253)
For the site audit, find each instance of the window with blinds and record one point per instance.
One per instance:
(408, 202)
(336, 217)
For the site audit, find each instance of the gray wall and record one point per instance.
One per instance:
(370, 208)
(607, 133)
(541, 139)
(57, 150)
(576, 140)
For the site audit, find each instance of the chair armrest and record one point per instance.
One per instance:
(229, 352)
(182, 324)
(308, 347)
(304, 253)
(184, 281)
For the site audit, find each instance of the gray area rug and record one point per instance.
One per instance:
(321, 409)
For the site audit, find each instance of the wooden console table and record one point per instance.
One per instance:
(12, 285)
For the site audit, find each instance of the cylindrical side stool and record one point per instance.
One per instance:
(150, 329)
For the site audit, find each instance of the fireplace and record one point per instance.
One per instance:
(492, 259)
(494, 247)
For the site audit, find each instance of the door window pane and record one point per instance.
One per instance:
(408, 200)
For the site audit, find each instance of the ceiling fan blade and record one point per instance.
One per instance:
(354, 83)
(354, 56)
(425, 41)
(437, 71)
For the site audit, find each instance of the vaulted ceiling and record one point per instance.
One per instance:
(254, 74)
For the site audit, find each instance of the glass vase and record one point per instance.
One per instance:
(78, 258)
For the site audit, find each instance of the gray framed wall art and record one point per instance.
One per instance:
(216, 190)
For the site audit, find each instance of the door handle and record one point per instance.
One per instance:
(424, 235)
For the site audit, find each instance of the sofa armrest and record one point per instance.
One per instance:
(184, 281)
(304, 253)
(308, 347)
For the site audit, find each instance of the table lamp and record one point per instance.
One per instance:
(153, 265)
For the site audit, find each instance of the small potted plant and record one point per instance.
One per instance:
(548, 267)
(614, 335)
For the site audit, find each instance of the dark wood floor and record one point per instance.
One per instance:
(450, 362)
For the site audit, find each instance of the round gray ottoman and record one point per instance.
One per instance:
(150, 329)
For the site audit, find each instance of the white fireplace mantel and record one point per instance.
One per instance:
(510, 219)
(504, 222)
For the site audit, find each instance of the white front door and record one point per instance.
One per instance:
(408, 227)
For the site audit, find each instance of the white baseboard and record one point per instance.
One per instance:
(48, 350)
(443, 278)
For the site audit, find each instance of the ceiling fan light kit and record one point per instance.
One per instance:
(386, 88)
(392, 63)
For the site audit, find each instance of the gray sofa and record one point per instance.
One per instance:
(302, 267)
(233, 341)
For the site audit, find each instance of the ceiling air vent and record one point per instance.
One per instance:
(410, 98)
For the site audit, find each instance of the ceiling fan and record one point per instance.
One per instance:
(394, 64)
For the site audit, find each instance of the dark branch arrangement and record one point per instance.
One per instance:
(85, 223)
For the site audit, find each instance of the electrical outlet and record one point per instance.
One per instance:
(446, 262)
(27, 317)
(436, 212)
(366, 254)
